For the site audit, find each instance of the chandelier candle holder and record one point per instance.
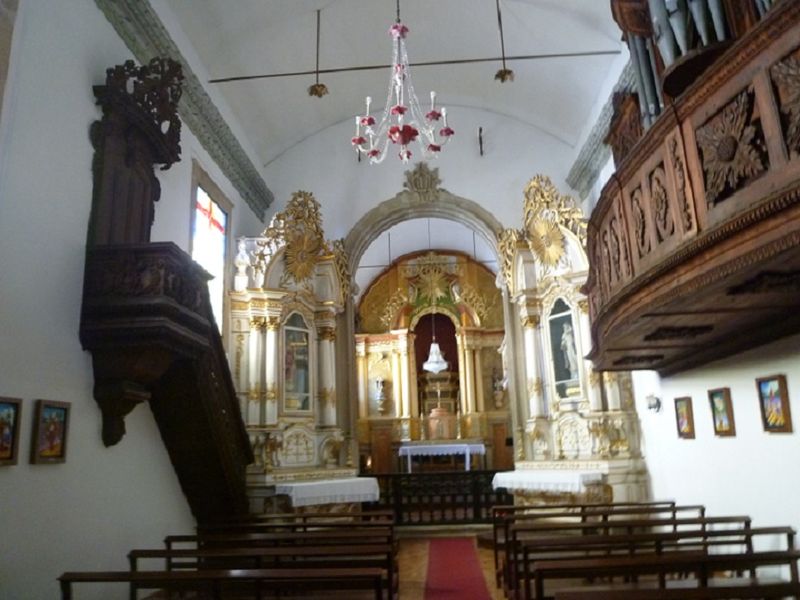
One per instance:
(403, 120)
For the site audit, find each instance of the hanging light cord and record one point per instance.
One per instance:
(502, 40)
(398, 11)
(318, 11)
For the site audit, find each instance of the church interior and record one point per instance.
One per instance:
(422, 348)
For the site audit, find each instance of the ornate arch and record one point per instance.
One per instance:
(419, 201)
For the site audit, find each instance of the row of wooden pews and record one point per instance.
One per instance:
(266, 556)
(643, 551)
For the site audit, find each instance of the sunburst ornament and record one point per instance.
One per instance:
(302, 251)
(546, 241)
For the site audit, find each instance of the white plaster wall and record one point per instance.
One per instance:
(753, 473)
(86, 513)
(514, 152)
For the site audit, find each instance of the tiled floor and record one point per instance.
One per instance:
(413, 565)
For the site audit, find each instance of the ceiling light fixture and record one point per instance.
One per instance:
(318, 89)
(436, 362)
(504, 74)
(403, 120)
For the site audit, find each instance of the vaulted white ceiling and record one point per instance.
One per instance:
(252, 37)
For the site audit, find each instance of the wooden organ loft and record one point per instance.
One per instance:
(695, 242)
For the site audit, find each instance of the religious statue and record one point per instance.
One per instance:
(498, 388)
(568, 348)
(271, 449)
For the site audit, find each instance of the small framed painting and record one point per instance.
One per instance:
(773, 398)
(10, 409)
(50, 427)
(684, 417)
(722, 411)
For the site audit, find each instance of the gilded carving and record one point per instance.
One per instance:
(342, 265)
(272, 323)
(786, 77)
(543, 201)
(507, 245)
(238, 355)
(423, 182)
(546, 241)
(327, 334)
(397, 301)
(272, 393)
(530, 322)
(258, 323)
(239, 305)
(583, 306)
(729, 148)
(535, 387)
(680, 179)
(640, 222)
(665, 225)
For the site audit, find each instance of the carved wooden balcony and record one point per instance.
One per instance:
(695, 242)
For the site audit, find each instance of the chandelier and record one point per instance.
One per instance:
(403, 120)
(436, 362)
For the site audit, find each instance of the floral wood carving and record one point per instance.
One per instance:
(390, 310)
(731, 148)
(342, 264)
(665, 225)
(680, 179)
(786, 77)
(640, 222)
(423, 182)
(139, 129)
(625, 128)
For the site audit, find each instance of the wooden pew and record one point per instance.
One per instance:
(603, 520)
(518, 532)
(381, 556)
(744, 590)
(352, 517)
(215, 581)
(594, 546)
(701, 564)
(503, 516)
(322, 537)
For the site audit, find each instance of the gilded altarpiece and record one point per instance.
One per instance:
(289, 287)
(569, 419)
(459, 299)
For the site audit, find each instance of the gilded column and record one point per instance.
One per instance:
(363, 382)
(397, 387)
(412, 376)
(590, 378)
(255, 369)
(480, 401)
(462, 371)
(469, 360)
(611, 383)
(405, 383)
(530, 324)
(272, 325)
(326, 391)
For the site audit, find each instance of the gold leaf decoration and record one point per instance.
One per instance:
(546, 241)
(507, 245)
(544, 201)
(299, 228)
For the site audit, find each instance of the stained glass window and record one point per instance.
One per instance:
(209, 241)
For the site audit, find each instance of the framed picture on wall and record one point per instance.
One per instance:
(50, 428)
(722, 411)
(684, 418)
(773, 398)
(10, 409)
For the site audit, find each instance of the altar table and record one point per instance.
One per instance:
(467, 449)
(330, 491)
(551, 481)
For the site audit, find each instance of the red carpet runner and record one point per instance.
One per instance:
(454, 572)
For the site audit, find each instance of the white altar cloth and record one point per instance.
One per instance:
(467, 449)
(330, 491)
(531, 480)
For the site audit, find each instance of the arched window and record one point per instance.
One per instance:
(296, 371)
(563, 350)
